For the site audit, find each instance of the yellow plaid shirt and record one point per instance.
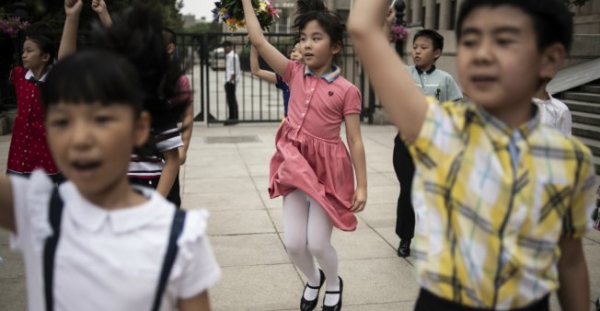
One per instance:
(492, 203)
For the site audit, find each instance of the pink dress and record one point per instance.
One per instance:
(310, 154)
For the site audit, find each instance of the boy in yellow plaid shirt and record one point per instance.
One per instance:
(502, 201)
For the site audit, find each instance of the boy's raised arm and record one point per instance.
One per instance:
(255, 68)
(392, 83)
(68, 41)
(269, 53)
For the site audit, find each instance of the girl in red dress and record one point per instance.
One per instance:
(28, 147)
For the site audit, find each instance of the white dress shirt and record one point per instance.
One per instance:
(555, 113)
(108, 260)
(232, 65)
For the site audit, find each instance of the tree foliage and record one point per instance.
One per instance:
(52, 12)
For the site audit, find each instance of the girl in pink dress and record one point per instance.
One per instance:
(28, 146)
(311, 168)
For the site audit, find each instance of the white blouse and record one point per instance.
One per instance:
(109, 260)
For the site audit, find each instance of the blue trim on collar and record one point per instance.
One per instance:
(329, 77)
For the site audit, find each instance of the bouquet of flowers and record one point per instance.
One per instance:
(231, 13)
(398, 32)
(12, 26)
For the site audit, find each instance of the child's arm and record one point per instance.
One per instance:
(99, 6)
(262, 74)
(198, 303)
(169, 173)
(385, 69)
(7, 212)
(357, 151)
(574, 291)
(186, 135)
(269, 53)
(68, 42)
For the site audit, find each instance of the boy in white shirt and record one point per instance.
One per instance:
(553, 111)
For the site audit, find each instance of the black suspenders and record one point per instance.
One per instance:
(55, 216)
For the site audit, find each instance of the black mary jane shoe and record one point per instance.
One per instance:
(309, 305)
(337, 306)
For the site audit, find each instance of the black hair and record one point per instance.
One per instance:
(226, 44)
(552, 20)
(93, 76)
(136, 34)
(46, 46)
(434, 36)
(169, 35)
(310, 10)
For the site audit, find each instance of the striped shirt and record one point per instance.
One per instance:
(151, 167)
(492, 203)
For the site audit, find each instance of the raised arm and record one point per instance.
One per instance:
(68, 42)
(7, 213)
(391, 81)
(269, 53)
(262, 74)
(99, 6)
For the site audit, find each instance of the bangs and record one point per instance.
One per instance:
(93, 77)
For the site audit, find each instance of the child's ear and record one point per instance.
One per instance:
(552, 59)
(170, 48)
(142, 129)
(336, 48)
(46, 57)
(437, 54)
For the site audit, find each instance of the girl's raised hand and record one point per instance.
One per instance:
(99, 6)
(73, 7)
(359, 201)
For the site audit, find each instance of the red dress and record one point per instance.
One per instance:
(310, 154)
(28, 147)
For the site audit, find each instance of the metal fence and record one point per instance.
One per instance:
(258, 101)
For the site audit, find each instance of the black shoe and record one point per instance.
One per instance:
(230, 122)
(309, 305)
(597, 304)
(404, 248)
(337, 306)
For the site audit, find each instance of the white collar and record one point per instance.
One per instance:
(30, 75)
(93, 217)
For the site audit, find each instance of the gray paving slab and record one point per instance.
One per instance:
(246, 229)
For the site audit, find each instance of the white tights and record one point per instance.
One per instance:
(308, 233)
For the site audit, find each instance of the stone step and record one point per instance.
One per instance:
(575, 105)
(586, 131)
(585, 118)
(593, 144)
(592, 89)
(581, 96)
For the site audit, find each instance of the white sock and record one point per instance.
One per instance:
(332, 299)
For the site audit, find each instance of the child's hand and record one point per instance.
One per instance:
(359, 200)
(73, 7)
(99, 6)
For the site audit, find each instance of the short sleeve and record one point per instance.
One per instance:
(169, 139)
(577, 219)
(437, 131)
(201, 270)
(452, 90)
(352, 101)
(31, 198)
(291, 70)
(185, 91)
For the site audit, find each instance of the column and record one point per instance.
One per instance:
(444, 17)
(458, 5)
(416, 12)
(430, 14)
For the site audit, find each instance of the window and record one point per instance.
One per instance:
(453, 10)
(437, 17)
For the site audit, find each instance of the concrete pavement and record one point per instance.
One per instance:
(227, 172)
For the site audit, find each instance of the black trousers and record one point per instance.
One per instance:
(405, 171)
(231, 100)
(430, 302)
(173, 195)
